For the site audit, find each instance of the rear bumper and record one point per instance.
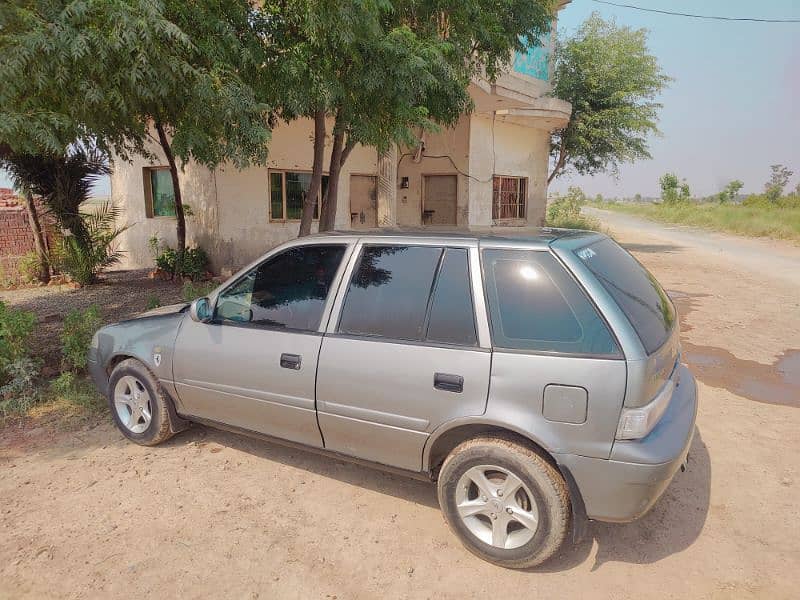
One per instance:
(625, 486)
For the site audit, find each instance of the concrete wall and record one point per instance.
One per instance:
(499, 148)
(453, 146)
(231, 207)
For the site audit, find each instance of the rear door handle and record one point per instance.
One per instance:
(291, 361)
(448, 382)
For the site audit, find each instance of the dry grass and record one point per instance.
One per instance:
(752, 221)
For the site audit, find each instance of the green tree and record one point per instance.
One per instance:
(134, 75)
(669, 188)
(730, 191)
(778, 180)
(612, 80)
(382, 70)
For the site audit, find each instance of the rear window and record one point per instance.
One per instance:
(389, 292)
(535, 305)
(635, 290)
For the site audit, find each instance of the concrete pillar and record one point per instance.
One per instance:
(387, 188)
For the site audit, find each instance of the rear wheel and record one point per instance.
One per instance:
(506, 503)
(139, 404)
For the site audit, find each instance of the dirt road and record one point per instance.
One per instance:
(210, 514)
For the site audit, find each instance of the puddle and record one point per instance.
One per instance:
(778, 383)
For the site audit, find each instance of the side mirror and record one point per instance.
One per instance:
(200, 310)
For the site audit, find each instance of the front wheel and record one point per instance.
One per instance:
(506, 503)
(138, 404)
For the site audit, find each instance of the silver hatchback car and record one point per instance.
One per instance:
(537, 379)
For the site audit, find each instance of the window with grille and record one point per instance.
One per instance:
(508, 197)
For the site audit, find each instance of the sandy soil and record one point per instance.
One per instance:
(85, 514)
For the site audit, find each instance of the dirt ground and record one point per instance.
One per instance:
(85, 514)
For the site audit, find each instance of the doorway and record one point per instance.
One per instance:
(439, 201)
(363, 201)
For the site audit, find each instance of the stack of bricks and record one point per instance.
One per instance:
(16, 239)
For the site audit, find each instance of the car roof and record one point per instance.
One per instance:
(506, 236)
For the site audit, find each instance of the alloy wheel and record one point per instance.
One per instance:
(497, 507)
(133, 404)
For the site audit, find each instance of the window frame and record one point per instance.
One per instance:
(522, 197)
(619, 355)
(283, 173)
(329, 302)
(147, 182)
(479, 311)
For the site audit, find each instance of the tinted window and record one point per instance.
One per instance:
(635, 290)
(286, 291)
(536, 305)
(389, 292)
(452, 319)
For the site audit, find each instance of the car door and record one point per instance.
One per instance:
(254, 365)
(403, 356)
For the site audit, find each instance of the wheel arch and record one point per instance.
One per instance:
(444, 439)
(448, 436)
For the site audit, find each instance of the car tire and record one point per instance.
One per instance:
(138, 404)
(475, 486)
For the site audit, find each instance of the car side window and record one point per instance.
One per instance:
(287, 291)
(389, 292)
(452, 316)
(535, 305)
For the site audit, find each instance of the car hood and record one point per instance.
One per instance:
(162, 311)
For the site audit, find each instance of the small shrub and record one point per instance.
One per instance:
(76, 391)
(167, 261)
(194, 263)
(565, 211)
(193, 290)
(29, 267)
(19, 392)
(83, 260)
(153, 301)
(79, 327)
(16, 327)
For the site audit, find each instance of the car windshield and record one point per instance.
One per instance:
(635, 290)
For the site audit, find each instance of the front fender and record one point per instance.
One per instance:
(150, 340)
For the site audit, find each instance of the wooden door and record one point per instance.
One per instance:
(439, 203)
(363, 201)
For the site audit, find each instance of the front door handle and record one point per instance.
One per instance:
(448, 383)
(291, 361)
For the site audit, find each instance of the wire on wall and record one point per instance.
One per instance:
(455, 166)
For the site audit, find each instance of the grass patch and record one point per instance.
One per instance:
(67, 401)
(752, 221)
(565, 212)
(192, 290)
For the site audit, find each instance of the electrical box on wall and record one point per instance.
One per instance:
(404, 183)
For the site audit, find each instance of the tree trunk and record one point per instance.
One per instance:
(180, 227)
(327, 219)
(316, 174)
(562, 159)
(38, 238)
